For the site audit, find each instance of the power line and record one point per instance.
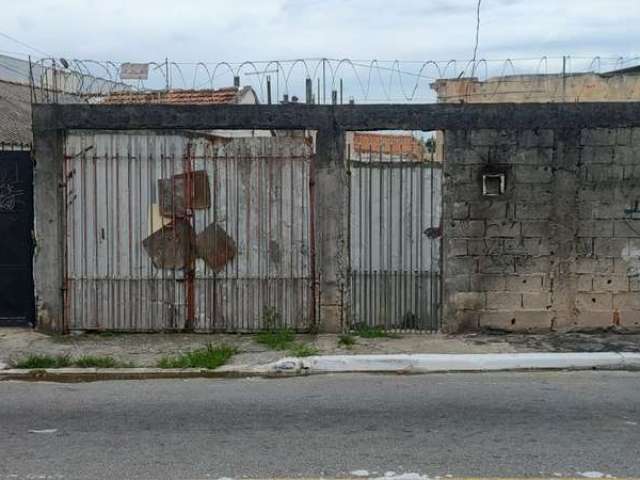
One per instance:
(42, 52)
(475, 47)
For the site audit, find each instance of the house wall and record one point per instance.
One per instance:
(561, 248)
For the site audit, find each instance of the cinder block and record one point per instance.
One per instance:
(485, 246)
(542, 137)
(599, 173)
(597, 155)
(527, 265)
(489, 209)
(454, 139)
(532, 174)
(487, 283)
(459, 210)
(629, 228)
(589, 319)
(515, 246)
(594, 301)
(625, 156)
(585, 283)
(623, 136)
(460, 265)
(540, 246)
(626, 301)
(464, 228)
(467, 155)
(536, 301)
(496, 264)
(629, 319)
(609, 247)
(524, 283)
(631, 172)
(520, 321)
(635, 136)
(610, 283)
(492, 137)
(504, 301)
(598, 136)
(457, 283)
(468, 300)
(593, 265)
(595, 228)
(533, 156)
(456, 247)
(584, 246)
(503, 228)
(533, 211)
(535, 229)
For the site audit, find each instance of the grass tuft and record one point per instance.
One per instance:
(62, 361)
(208, 357)
(277, 338)
(347, 341)
(303, 350)
(43, 361)
(365, 331)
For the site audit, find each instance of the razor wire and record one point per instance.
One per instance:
(357, 80)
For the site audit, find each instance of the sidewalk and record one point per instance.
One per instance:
(145, 350)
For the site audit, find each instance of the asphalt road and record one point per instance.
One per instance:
(499, 424)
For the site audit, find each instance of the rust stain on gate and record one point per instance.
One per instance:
(183, 232)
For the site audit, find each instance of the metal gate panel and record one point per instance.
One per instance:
(16, 240)
(173, 231)
(395, 212)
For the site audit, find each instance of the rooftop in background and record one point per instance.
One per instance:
(227, 95)
(613, 86)
(398, 145)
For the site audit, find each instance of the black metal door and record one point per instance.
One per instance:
(16, 241)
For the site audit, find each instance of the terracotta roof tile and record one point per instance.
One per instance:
(176, 97)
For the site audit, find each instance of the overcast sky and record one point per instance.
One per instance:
(239, 30)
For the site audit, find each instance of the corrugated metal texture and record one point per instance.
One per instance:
(396, 207)
(173, 231)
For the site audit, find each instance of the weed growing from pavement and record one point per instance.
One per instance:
(208, 357)
(347, 341)
(303, 350)
(64, 361)
(365, 331)
(277, 338)
(43, 361)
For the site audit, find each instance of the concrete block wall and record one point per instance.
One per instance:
(560, 249)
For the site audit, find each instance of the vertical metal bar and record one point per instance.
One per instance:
(312, 239)
(431, 245)
(381, 170)
(402, 298)
(369, 245)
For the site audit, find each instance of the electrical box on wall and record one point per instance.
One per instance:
(493, 184)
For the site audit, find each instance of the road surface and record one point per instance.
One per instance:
(498, 424)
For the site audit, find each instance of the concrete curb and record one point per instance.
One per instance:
(425, 363)
(399, 364)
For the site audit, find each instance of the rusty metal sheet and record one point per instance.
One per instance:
(215, 247)
(171, 247)
(182, 192)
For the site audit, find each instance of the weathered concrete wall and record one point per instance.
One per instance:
(560, 249)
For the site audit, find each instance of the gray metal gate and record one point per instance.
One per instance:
(187, 230)
(395, 237)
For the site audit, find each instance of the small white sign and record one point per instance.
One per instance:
(134, 71)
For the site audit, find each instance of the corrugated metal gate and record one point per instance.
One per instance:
(172, 231)
(395, 237)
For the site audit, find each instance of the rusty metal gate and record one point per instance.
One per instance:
(16, 238)
(188, 231)
(395, 236)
